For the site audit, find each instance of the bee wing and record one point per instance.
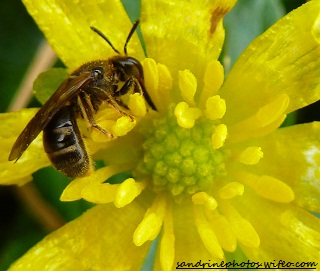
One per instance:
(67, 90)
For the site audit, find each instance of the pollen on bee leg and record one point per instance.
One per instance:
(186, 115)
(219, 136)
(188, 86)
(127, 192)
(150, 226)
(251, 155)
(99, 136)
(202, 198)
(231, 190)
(137, 105)
(215, 107)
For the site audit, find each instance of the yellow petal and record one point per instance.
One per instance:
(292, 229)
(283, 60)
(34, 158)
(266, 119)
(191, 34)
(187, 237)
(84, 243)
(299, 146)
(70, 35)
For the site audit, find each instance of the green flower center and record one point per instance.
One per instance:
(178, 159)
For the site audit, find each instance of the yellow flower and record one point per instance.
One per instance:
(210, 169)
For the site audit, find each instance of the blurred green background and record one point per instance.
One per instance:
(19, 40)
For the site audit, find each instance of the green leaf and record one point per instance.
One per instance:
(48, 82)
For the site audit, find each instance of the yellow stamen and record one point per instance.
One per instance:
(267, 119)
(165, 86)
(74, 190)
(271, 112)
(219, 136)
(251, 155)
(215, 107)
(127, 192)
(150, 226)
(151, 77)
(137, 105)
(224, 233)
(188, 86)
(100, 193)
(231, 190)
(123, 126)
(186, 115)
(242, 228)
(207, 234)
(147, 230)
(202, 198)
(213, 80)
(167, 249)
(270, 187)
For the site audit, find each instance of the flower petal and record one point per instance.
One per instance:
(66, 26)
(295, 232)
(191, 32)
(283, 60)
(188, 243)
(32, 159)
(292, 154)
(100, 239)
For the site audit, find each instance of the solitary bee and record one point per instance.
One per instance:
(81, 94)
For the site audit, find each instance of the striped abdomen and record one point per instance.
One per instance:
(64, 145)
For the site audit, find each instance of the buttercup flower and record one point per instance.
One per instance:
(211, 171)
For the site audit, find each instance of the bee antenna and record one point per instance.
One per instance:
(134, 27)
(106, 39)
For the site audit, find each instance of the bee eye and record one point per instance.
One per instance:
(97, 74)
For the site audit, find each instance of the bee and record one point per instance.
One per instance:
(80, 95)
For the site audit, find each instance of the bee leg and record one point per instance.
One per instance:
(138, 88)
(87, 112)
(116, 103)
